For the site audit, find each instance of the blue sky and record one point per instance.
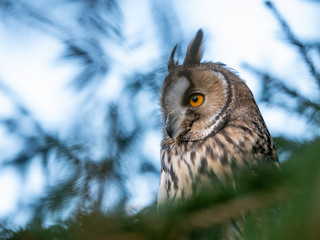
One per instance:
(235, 32)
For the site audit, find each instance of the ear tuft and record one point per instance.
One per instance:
(194, 52)
(171, 63)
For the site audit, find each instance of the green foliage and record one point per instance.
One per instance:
(275, 204)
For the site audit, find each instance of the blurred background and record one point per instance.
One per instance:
(80, 125)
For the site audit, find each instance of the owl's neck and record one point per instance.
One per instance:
(216, 124)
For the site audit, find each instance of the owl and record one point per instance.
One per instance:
(212, 126)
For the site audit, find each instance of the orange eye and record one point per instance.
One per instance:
(196, 100)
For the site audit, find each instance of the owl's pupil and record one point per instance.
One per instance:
(194, 98)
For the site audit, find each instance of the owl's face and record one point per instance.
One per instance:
(193, 95)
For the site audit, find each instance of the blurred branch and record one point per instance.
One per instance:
(274, 87)
(85, 173)
(13, 97)
(302, 48)
(304, 106)
(24, 12)
(167, 23)
(82, 36)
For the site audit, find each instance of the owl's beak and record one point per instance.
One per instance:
(172, 126)
(169, 131)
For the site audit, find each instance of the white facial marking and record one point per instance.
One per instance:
(213, 117)
(221, 77)
(175, 94)
(173, 101)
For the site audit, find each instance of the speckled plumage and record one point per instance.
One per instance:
(208, 143)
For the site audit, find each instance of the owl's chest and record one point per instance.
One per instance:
(186, 166)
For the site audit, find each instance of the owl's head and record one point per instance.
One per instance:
(198, 98)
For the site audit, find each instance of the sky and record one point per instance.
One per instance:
(235, 32)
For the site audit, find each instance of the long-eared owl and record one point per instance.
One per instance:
(212, 126)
